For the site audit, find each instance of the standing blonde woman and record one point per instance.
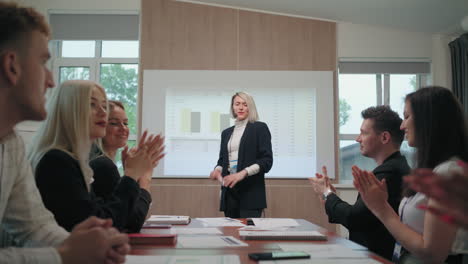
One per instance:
(77, 115)
(244, 158)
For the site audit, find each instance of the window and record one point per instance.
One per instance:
(73, 73)
(119, 49)
(113, 64)
(78, 49)
(121, 83)
(365, 84)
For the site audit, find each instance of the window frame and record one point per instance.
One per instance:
(383, 93)
(94, 65)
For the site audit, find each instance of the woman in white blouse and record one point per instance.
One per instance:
(435, 125)
(244, 158)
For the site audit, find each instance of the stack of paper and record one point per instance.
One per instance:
(220, 221)
(276, 224)
(321, 261)
(282, 235)
(324, 251)
(210, 242)
(197, 231)
(272, 223)
(168, 219)
(226, 259)
(325, 254)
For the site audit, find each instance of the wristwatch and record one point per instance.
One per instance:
(325, 194)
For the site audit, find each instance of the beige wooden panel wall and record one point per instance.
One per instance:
(176, 35)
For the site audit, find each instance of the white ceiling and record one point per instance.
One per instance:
(430, 16)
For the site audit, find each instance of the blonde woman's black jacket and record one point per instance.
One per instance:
(254, 148)
(106, 181)
(65, 193)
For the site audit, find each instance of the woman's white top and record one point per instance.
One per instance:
(410, 214)
(460, 245)
(233, 149)
(414, 217)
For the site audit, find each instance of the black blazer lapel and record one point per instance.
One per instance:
(224, 147)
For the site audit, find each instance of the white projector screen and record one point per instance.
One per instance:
(191, 109)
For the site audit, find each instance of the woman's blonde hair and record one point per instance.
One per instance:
(253, 114)
(67, 125)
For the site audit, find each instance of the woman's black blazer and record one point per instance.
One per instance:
(254, 148)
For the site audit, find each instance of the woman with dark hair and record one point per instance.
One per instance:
(435, 125)
(106, 173)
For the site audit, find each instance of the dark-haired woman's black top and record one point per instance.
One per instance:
(64, 192)
(106, 181)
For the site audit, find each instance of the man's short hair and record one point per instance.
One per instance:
(385, 119)
(17, 22)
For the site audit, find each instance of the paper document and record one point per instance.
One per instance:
(282, 235)
(168, 219)
(220, 221)
(260, 228)
(197, 231)
(214, 259)
(322, 261)
(274, 223)
(210, 242)
(324, 251)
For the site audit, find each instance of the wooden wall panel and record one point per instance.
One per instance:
(274, 42)
(194, 197)
(181, 36)
(200, 198)
(186, 36)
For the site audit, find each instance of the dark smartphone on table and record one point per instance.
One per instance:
(279, 255)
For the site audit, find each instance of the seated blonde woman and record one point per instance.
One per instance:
(106, 173)
(77, 115)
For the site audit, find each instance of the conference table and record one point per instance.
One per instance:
(254, 246)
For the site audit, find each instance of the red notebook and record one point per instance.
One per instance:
(152, 239)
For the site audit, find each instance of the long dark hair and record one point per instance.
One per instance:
(440, 127)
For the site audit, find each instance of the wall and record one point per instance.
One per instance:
(441, 62)
(371, 42)
(200, 37)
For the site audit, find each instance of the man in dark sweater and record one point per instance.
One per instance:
(380, 139)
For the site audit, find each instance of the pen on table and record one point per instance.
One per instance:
(229, 240)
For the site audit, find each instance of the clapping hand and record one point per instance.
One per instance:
(141, 160)
(373, 192)
(321, 183)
